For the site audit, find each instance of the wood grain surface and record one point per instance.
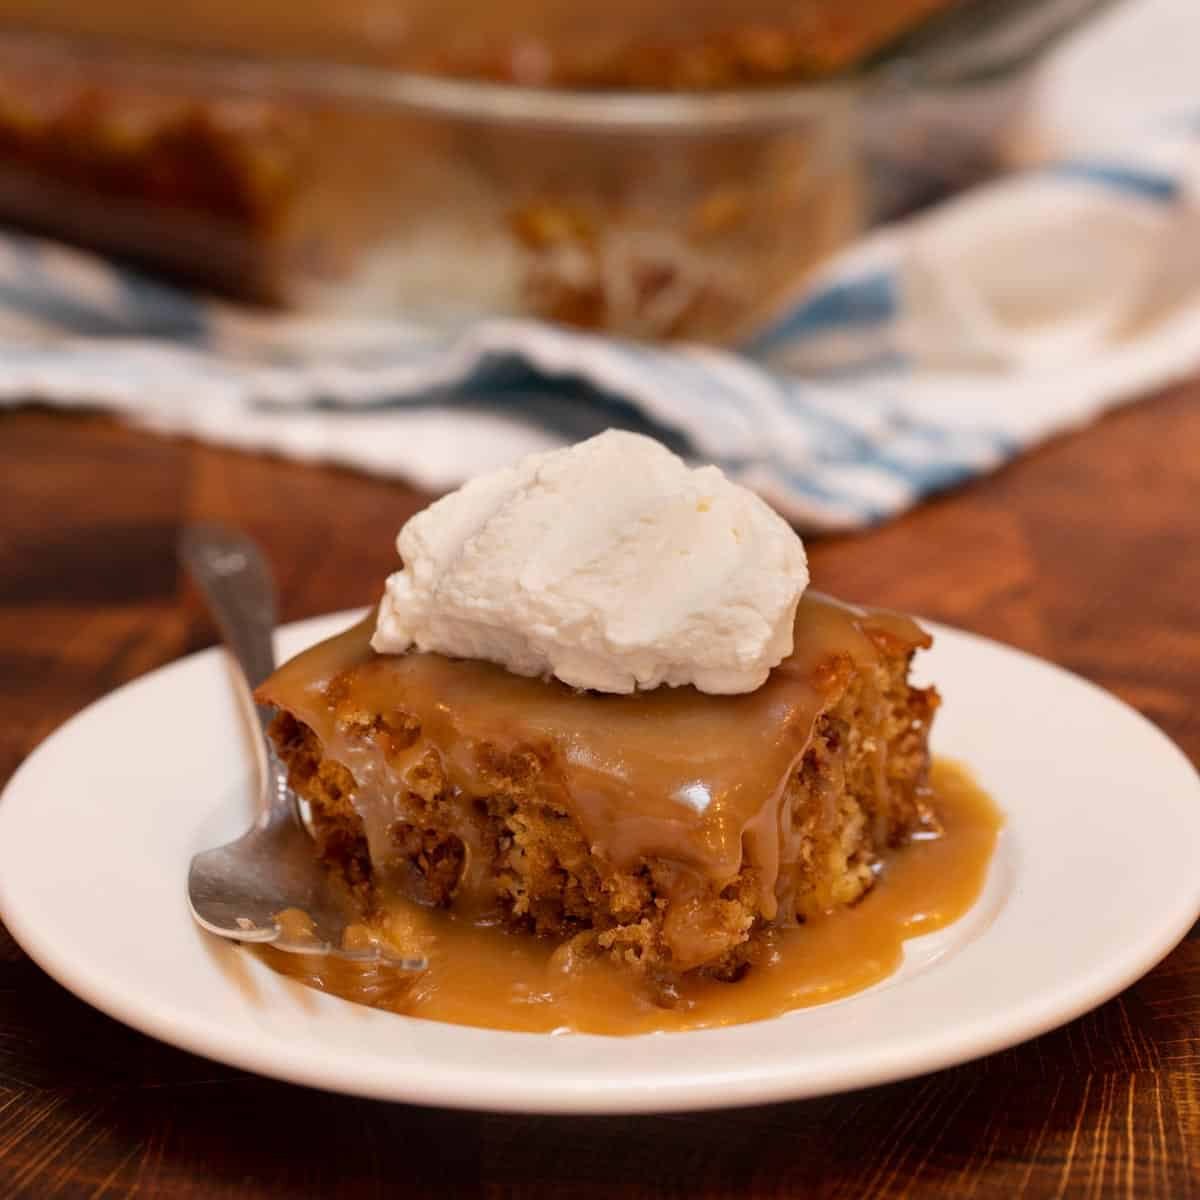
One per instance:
(1087, 552)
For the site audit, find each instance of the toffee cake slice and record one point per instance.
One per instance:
(671, 830)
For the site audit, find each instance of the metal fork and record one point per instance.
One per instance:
(238, 890)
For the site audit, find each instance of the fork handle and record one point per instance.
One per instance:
(232, 574)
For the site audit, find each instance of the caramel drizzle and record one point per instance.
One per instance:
(502, 980)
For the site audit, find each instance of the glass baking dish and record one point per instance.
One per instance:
(372, 191)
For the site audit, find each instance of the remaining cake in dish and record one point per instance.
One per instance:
(667, 828)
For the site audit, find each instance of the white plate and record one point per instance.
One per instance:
(1094, 880)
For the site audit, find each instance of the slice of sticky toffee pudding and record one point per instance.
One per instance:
(670, 829)
(596, 704)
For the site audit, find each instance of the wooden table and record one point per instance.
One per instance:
(1087, 552)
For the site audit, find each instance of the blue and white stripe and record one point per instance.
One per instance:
(831, 409)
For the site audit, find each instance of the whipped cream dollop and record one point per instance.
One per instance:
(610, 564)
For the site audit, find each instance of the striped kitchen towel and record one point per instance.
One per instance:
(929, 353)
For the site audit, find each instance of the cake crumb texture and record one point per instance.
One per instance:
(859, 789)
